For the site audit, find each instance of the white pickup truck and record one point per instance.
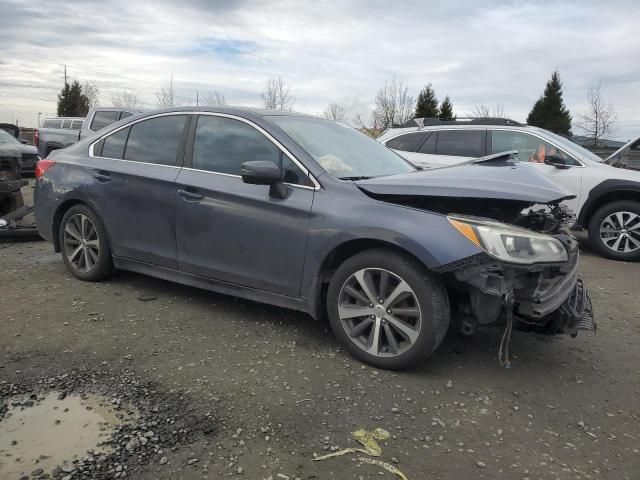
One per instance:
(57, 133)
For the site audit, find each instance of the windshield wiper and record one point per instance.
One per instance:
(355, 178)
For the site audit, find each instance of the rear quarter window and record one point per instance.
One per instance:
(409, 142)
(51, 124)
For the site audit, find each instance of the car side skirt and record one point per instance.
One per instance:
(212, 285)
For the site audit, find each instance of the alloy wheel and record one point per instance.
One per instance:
(380, 312)
(81, 244)
(620, 232)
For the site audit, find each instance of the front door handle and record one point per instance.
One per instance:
(102, 176)
(186, 194)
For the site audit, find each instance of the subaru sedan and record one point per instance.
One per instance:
(312, 215)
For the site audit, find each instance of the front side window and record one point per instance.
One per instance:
(125, 115)
(461, 143)
(156, 140)
(530, 148)
(76, 125)
(408, 142)
(103, 118)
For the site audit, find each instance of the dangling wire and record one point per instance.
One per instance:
(503, 352)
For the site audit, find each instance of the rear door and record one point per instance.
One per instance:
(232, 231)
(133, 171)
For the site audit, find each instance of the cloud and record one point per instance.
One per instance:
(475, 52)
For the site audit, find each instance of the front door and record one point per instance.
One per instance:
(535, 150)
(236, 232)
(132, 175)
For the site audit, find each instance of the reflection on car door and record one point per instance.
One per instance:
(235, 232)
(534, 149)
(131, 181)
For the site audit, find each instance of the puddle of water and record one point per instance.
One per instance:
(53, 432)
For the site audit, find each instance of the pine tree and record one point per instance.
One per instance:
(72, 102)
(549, 111)
(427, 104)
(446, 109)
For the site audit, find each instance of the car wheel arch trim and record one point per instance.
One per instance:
(597, 193)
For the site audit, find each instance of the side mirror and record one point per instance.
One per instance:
(264, 173)
(556, 161)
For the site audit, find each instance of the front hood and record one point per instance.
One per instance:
(620, 150)
(491, 178)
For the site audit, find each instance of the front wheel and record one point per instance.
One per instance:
(614, 230)
(387, 309)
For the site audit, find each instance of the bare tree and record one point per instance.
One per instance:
(126, 99)
(394, 105)
(373, 132)
(92, 92)
(276, 95)
(483, 111)
(600, 119)
(214, 98)
(335, 112)
(167, 95)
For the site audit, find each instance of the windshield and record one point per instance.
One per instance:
(341, 150)
(7, 137)
(563, 141)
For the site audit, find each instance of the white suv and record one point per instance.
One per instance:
(607, 199)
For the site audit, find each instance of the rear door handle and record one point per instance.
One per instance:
(102, 176)
(186, 194)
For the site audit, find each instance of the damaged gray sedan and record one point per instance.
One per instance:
(312, 215)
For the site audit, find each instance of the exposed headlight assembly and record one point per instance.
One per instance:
(510, 244)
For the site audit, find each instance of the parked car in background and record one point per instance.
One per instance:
(607, 199)
(628, 156)
(57, 133)
(310, 214)
(9, 135)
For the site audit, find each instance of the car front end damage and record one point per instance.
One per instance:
(546, 297)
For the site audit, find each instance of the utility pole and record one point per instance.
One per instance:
(65, 74)
(197, 98)
(39, 113)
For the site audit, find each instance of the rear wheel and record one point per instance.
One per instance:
(387, 309)
(614, 230)
(84, 244)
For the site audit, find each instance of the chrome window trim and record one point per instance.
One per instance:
(506, 129)
(304, 169)
(306, 187)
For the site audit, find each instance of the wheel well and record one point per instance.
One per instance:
(609, 197)
(57, 220)
(339, 255)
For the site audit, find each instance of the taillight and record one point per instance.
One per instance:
(36, 137)
(42, 166)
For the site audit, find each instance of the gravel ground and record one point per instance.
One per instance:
(271, 387)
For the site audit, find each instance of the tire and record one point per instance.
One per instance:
(395, 348)
(608, 218)
(92, 261)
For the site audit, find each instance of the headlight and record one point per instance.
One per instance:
(510, 244)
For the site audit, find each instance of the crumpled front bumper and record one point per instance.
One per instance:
(547, 299)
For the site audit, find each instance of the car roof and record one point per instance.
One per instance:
(241, 111)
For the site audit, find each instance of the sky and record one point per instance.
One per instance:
(477, 52)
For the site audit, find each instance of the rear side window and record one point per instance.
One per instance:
(461, 143)
(51, 124)
(76, 125)
(125, 115)
(156, 140)
(408, 142)
(102, 119)
(429, 146)
(113, 146)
